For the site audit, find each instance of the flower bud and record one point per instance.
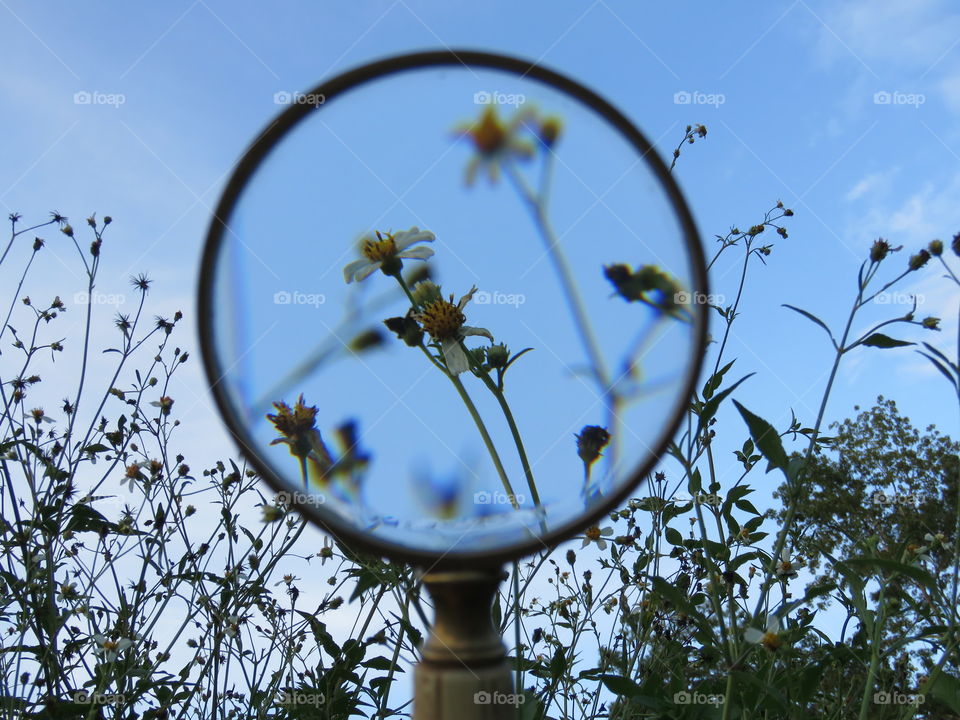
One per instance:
(67, 230)
(498, 355)
(591, 440)
(879, 250)
(936, 248)
(919, 260)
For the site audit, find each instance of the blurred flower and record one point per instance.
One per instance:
(386, 253)
(110, 649)
(769, 638)
(919, 260)
(233, 625)
(649, 285)
(165, 404)
(595, 535)
(936, 248)
(549, 130)
(444, 321)
(931, 323)
(879, 250)
(406, 328)
(495, 142)
(591, 440)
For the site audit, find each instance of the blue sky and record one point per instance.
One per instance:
(846, 111)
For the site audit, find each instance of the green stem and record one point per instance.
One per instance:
(471, 408)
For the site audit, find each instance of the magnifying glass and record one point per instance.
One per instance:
(452, 307)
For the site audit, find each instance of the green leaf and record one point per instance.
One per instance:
(620, 685)
(714, 382)
(883, 341)
(710, 409)
(814, 318)
(381, 663)
(946, 689)
(673, 536)
(766, 438)
(887, 565)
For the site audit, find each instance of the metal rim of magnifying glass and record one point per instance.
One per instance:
(274, 133)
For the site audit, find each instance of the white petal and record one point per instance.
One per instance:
(785, 554)
(455, 356)
(752, 635)
(419, 253)
(773, 624)
(353, 270)
(406, 238)
(467, 331)
(466, 298)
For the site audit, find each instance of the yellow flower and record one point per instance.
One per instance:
(444, 321)
(495, 142)
(386, 252)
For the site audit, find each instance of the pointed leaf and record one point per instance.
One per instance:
(880, 340)
(766, 438)
(814, 318)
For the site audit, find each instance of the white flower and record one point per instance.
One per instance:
(595, 535)
(444, 322)
(109, 649)
(769, 638)
(785, 569)
(386, 251)
(233, 625)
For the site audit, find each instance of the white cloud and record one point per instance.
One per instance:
(873, 184)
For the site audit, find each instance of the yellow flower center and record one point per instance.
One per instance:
(488, 134)
(442, 319)
(771, 641)
(110, 645)
(593, 533)
(380, 249)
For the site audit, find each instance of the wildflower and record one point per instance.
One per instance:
(39, 416)
(785, 568)
(495, 142)
(233, 625)
(931, 323)
(591, 440)
(271, 513)
(110, 649)
(366, 340)
(425, 292)
(68, 591)
(141, 282)
(936, 248)
(549, 131)
(326, 552)
(879, 250)
(498, 356)
(649, 285)
(920, 552)
(769, 638)
(595, 535)
(444, 321)
(386, 253)
(297, 425)
(919, 260)
(133, 473)
(165, 404)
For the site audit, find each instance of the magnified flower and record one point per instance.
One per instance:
(769, 638)
(495, 142)
(297, 425)
(444, 321)
(649, 285)
(387, 251)
(596, 535)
